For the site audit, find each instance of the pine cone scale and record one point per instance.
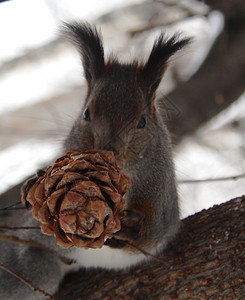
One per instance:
(102, 178)
(55, 200)
(51, 182)
(44, 215)
(39, 192)
(68, 223)
(73, 202)
(89, 189)
(71, 178)
(61, 237)
(80, 167)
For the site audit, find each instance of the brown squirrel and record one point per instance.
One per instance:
(120, 114)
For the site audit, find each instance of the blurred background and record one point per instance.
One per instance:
(42, 86)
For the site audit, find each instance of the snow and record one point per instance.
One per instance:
(26, 24)
(39, 80)
(215, 150)
(21, 161)
(203, 31)
(22, 26)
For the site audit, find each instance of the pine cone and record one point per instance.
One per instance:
(79, 199)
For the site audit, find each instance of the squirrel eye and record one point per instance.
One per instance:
(86, 114)
(142, 122)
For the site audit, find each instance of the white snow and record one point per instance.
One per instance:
(24, 24)
(39, 80)
(21, 161)
(203, 31)
(216, 150)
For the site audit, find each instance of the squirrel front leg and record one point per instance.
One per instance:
(137, 228)
(152, 215)
(131, 225)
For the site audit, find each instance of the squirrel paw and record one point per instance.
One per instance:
(130, 228)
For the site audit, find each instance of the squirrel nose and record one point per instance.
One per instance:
(110, 147)
(118, 151)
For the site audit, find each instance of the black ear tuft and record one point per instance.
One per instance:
(89, 43)
(163, 49)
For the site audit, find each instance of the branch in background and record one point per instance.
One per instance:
(27, 282)
(28, 243)
(18, 228)
(147, 254)
(12, 206)
(14, 239)
(212, 179)
(219, 81)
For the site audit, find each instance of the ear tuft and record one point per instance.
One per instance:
(89, 43)
(163, 48)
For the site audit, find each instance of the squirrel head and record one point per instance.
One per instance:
(119, 112)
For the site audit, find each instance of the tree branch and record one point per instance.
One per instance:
(206, 261)
(27, 282)
(15, 239)
(14, 228)
(235, 177)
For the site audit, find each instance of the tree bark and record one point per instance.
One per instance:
(205, 261)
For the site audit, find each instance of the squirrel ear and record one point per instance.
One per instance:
(153, 70)
(89, 43)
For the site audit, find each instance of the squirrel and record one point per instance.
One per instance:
(121, 114)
